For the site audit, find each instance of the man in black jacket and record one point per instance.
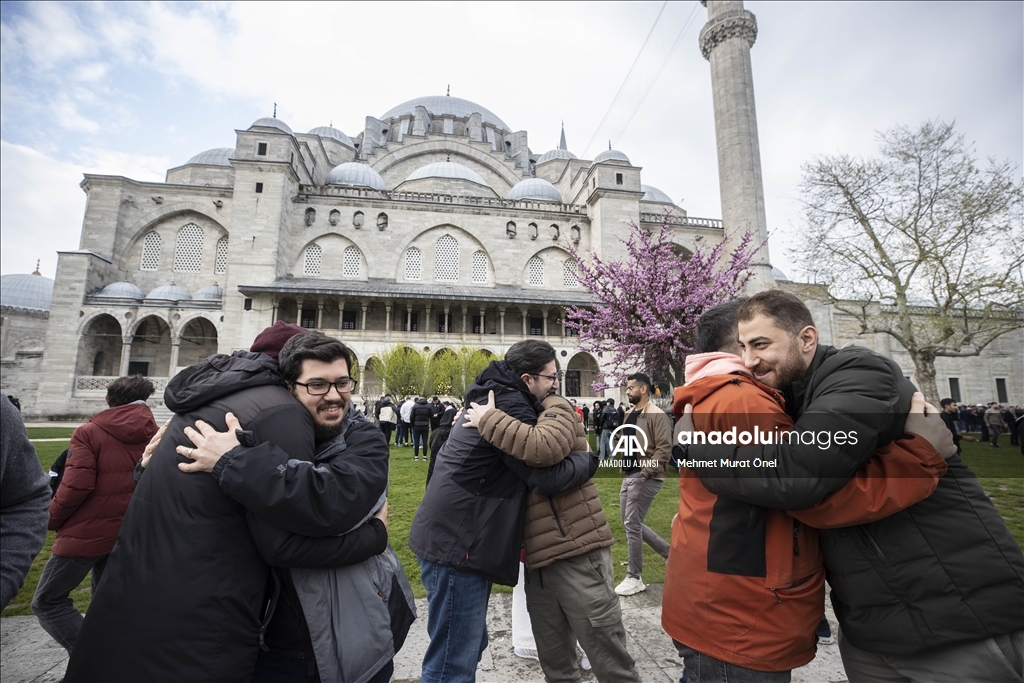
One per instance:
(182, 595)
(420, 419)
(933, 592)
(468, 531)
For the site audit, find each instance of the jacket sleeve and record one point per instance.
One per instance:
(79, 478)
(541, 445)
(279, 548)
(307, 498)
(571, 473)
(24, 497)
(660, 426)
(899, 475)
(854, 398)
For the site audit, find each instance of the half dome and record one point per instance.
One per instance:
(211, 293)
(219, 156)
(441, 105)
(32, 292)
(653, 194)
(555, 154)
(611, 155)
(537, 189)
(169, 293)
(355, 174)
(271, 122)
(121, 290)
(447, 169)
(334, 134)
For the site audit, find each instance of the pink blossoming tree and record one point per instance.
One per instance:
(647, 305)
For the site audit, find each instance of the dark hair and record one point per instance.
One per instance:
(125, 390)
(945, 402)
(610, 402)
(787, 310)
(312, 345)
(529, 357)
(716, 329)
(641, 378)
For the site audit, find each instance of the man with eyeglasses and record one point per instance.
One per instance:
(184, 593)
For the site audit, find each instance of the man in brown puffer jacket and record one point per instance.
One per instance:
(91, 501)
(570, 591)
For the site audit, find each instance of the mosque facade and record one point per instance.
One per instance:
(436, 227)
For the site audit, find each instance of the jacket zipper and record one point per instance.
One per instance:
(796, 537)
(551, 500)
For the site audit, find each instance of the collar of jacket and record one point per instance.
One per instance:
(796, 392)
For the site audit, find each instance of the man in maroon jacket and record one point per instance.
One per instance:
(90, 503)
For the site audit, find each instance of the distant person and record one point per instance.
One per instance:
(24, 499)
(610, 420)
(405, 422)
(950, 414)
(994, 421)
(436, 410)
(90, 502)
(440, 435)
(419, 420)
(387, 418)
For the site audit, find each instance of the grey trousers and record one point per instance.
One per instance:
(995, 660)
(52, 603)
(635, 498)
(574, 599)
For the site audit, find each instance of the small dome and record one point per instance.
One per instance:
(555, 154)
(653, 194)
(271, 122)
(537, 189)
(611, 155)
(447, 169)
(32, 292)
(355, 174)
(441, 105)
(122, 290)
(218, 156)
(779, 275)
(334, 134)
(211, 293)
(169, 293)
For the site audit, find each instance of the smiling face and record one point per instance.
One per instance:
(541, 384)
(328, 410)
(774, 356)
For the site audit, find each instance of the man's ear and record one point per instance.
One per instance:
(808, 339)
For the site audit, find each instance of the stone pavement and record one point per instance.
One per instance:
(28, 655)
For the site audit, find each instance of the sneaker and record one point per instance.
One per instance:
(630, 586)
(824, 632)
(416, 458)
(525, 653)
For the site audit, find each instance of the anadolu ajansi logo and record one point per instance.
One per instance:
(628, 443)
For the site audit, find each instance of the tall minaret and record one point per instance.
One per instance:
(725, 41)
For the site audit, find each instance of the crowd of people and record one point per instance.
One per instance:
(247, 538)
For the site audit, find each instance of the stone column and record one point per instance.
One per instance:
(408, 319)
(298, 312)
(465, 310)
(447, 320)
(428, 324)
(362, 329)
(483, 321)
(126, 355)
(387, 321)
(526, 319)
(320, 314)
(501, 331)
(725, 41)
(172, 368)
(273, 310)
(544, 311)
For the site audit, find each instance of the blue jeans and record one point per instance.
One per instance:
(456, 623)
(604, 447)
(701, 668)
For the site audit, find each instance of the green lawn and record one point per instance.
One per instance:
(1001, 472)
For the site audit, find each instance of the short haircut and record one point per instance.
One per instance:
(529, 357)
(125, 390)
(641, 378)
(946, 401)
(610, 402)
(312, 345)
(787, 310)
(716, 329)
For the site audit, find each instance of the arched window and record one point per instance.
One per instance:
(413, 264)
(570, 273)
(313, 258)
(446, 260)
(188, 254)
(351, 262)
(535, 268)
(220, 263)
(479, 268)
(150, 252)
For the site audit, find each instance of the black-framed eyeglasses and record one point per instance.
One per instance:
(553, 378)
(319, 387)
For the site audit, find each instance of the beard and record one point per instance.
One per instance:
(633, 400)
(325, 431)
(787, 371)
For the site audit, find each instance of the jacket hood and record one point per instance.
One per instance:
(422, 401)
(499, 377)
(700, 365)
(699, 390)
(219, 376)
(130, 423)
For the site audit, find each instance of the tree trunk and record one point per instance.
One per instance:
(924, 368)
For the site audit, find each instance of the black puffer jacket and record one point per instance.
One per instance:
(181, 596)
(472, 514)
(421, 414)
(943, 571)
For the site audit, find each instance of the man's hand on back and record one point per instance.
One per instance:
(153, 443)
(210, 445)
(924, 421)
(476, 411)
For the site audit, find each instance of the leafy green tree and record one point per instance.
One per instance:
(402, 370)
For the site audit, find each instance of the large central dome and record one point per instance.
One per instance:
(440, 105)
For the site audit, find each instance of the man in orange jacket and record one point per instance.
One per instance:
(744, 587)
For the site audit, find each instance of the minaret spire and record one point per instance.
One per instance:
(36, 271)
(561, 143)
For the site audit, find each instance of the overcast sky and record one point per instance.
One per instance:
(134, 89)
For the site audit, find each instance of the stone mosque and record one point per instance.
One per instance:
(436, 226)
